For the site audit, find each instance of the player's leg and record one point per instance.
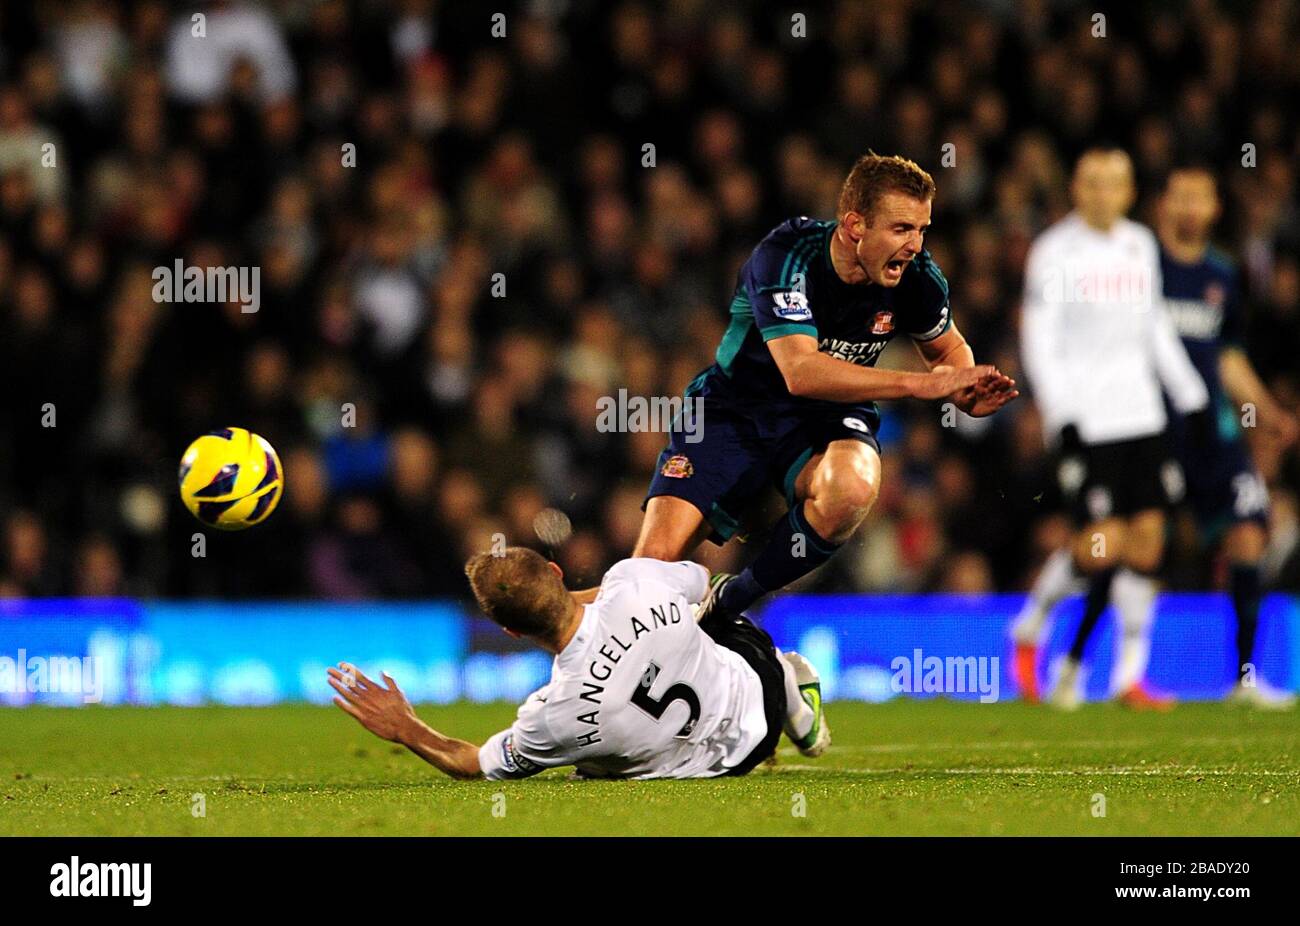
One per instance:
(1057, 580)
(1135, 590)
(1097, 553)
(671, 529)
(838, 488)
(805, 721)
(1086, 478)
(833, 492)
(1228, 495)
(755, 646)
(1059, 577)
(1155, 484)
(1244, 545)
(692, 488)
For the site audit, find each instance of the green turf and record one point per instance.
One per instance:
(908, 767)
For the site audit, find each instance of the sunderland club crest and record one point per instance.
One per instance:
(678, 466)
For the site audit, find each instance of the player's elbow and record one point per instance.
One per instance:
(796, 381)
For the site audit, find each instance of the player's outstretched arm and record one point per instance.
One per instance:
(814, 375)
(950, 350)
(386, 713)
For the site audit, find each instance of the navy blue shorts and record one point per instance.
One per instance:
(1224, 488)
(741, 448)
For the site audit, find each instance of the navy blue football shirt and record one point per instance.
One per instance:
(788, 286)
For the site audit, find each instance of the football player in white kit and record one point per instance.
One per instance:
(638, 688)
(1098, 344)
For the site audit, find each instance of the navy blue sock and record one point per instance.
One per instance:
(793, 551)
(1094, 605)
(1246, 594)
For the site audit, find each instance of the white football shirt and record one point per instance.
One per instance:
(1097, 341)
(640, 691)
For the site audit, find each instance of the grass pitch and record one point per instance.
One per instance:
(903, 768)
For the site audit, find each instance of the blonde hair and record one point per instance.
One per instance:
(874, 175)
(518, 589)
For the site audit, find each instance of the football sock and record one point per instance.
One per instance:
(1244, 584)
(799, 716)
(793, 551)
(1135, 599)
(1055, 581)
(1094, 604)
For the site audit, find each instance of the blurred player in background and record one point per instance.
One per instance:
(1227, 493)
(790, 399)
(638, 688)
(1097, 344)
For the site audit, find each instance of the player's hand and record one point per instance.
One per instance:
(385, 712)
(943, 381)
(987, 395)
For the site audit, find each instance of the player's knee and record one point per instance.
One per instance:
(1145, 558)
(846, 504)
(1245, 542)
(1099, 548)
(859, 494)
(1144, 547)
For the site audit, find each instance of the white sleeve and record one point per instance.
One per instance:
(524, 748)
(1177, 373)
(691, 579)
(1042, 339)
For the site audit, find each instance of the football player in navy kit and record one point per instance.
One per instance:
(1226, 492)
(790, 399)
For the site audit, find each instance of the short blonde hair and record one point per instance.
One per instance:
(517, 588)
(874, 175)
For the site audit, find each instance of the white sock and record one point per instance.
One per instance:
(799, 717)
(1134, 597)
(1057, 580)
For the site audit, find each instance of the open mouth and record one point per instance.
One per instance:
(894, 268)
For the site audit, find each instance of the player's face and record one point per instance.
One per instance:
(1190, 205)
(1103, 188)
(895, 234)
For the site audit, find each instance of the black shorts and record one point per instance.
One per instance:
(754, 645)
(1120, 479)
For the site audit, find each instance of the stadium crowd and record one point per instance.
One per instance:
(391, 167)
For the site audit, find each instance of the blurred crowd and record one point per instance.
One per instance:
(462, 241)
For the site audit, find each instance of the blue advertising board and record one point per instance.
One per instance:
(867, 647)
